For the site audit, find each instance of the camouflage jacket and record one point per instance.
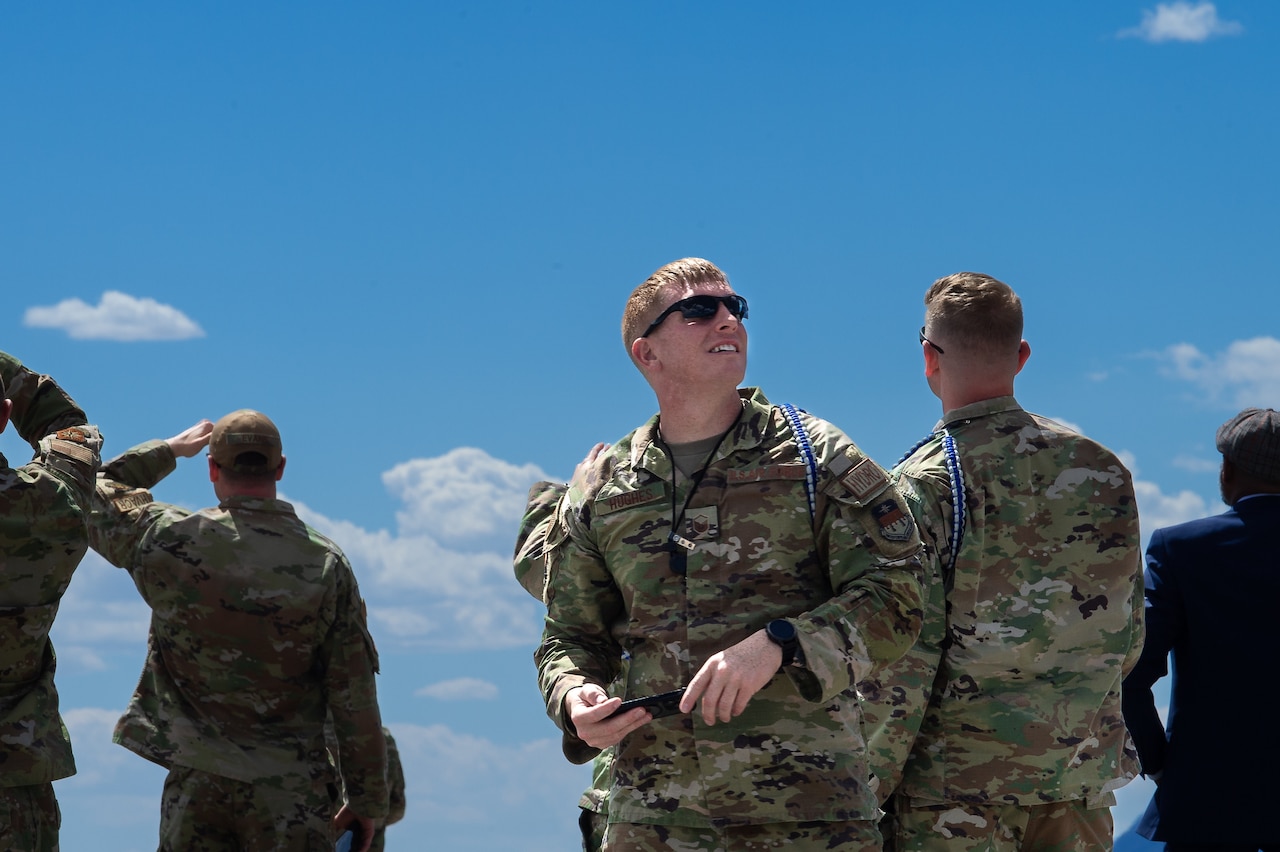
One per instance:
(257, 632)
(1014, 684)
(530, 564)
(847, 578)
(42, 540)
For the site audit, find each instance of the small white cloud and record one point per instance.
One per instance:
(1182, 21)
(460, 689)
(1246, 374)
(1195, 464)
(118, 316)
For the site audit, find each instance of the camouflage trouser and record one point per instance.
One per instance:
(592, 824)
(29, 819)
(1071, 826)
(203, 812)
(855, 836)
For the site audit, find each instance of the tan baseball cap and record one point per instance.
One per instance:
(246, 431)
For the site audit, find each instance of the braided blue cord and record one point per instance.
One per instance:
(956, 475)
(806, 450)
(957, 498)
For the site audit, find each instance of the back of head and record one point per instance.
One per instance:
(246, 445)
(976, 312)
(643, 306)
(1251, 442)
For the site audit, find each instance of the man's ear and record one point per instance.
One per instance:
(280, 469)
(214, 470)
(5, 410)
(642, 353)
(930, 360)
(1024, 352)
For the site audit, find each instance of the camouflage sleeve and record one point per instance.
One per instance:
(1137, 596)
(873, 555)
(40, 406)
(395, 781)
(123, 510)
(531, 540)
(582, 601)
(894, 700)
(349, 661)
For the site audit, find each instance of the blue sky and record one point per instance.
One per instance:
(406, 232)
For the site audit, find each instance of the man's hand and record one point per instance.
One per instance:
(580, 471)
(728, 680)
(589, 708)
(190, 441)
(345, 818)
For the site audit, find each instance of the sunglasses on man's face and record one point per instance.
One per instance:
(702, 307)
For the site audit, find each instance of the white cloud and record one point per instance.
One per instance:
(456, 778)
(1157, 509)
(1247, 373)
(462, 494)
(1182, 21)
(443, 578)
(460, 689)
(1196, 464)
(118, 316)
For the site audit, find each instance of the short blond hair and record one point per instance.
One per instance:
(976, 312)
(643, 304)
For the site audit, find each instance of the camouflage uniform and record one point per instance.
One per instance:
(257, 632)
(847, 578)
(395, 793)
(1014, 684)
(531, 571)
(42, 540)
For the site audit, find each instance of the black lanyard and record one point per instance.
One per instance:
(678, 546)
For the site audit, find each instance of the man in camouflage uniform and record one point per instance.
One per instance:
(1014, 684)
(530, 570)
(42, 539)
(257, 634)
(690, 551)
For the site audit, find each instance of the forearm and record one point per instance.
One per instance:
(872, 623)
(40, 405)
(142, 466)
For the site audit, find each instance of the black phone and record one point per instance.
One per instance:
(662, 704)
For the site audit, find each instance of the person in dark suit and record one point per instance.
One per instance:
(1212, 587)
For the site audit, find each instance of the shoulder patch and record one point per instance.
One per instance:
(863, 480)
(73, 433)
(895, 524)
(75, 451)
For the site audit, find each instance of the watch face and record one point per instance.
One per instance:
(781, 630)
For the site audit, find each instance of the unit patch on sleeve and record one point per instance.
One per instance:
(895, 524)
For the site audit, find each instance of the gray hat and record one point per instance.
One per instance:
(1251, 441)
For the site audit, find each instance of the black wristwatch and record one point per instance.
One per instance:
(783, 634)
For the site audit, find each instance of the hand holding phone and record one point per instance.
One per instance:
(662, 704)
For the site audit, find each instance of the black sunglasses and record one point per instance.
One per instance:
(701, 307)
(924, 339)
